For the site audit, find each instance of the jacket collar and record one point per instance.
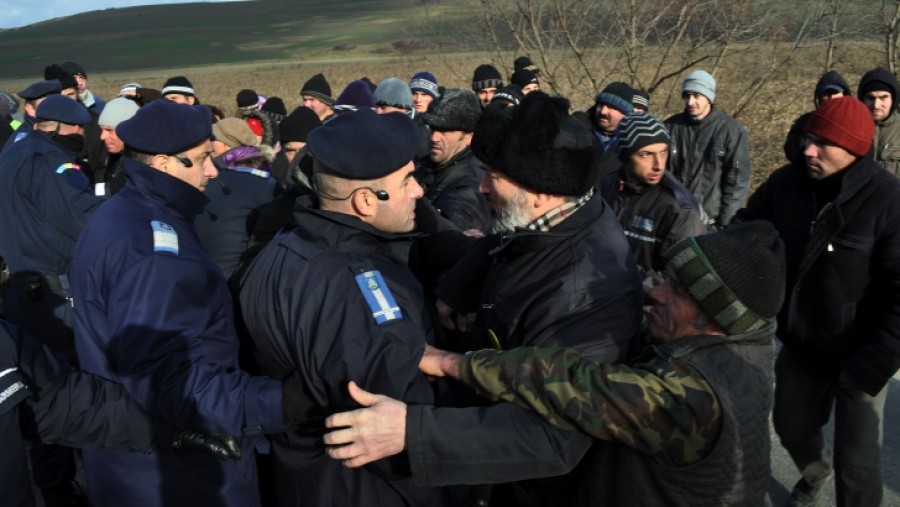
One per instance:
(164, 190)
(855, 177)
(348, 233)
(524, 240)
(689, 344)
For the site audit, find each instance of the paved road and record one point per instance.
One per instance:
(784, 474)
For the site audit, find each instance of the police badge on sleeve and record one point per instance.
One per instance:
(378, 296)
(165, 239)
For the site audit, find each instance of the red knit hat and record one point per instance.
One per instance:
(845, 122)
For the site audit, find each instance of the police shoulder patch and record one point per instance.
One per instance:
(68, 166)
(165, 239)
(378, 296)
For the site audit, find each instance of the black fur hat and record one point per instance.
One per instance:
(545, 149)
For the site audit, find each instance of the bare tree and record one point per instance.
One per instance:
(890, 17)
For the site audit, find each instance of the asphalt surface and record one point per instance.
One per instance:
(785, 474)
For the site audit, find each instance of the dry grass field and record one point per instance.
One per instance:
(768, 117)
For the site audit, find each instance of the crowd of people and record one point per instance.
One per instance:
(413, 294)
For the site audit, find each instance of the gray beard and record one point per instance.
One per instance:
(512, 216)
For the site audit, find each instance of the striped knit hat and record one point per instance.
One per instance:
(617, 95)
(736, 275)
(639, 129)
(318, 87)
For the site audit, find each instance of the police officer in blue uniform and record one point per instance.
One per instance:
(333, 300)
(153, 313)
(45, 202)
(33, 95)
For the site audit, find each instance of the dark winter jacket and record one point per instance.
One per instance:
(794, 144)
(711, 157)
(842, 307)
(654, 217)
(575, 286)
(453, 190)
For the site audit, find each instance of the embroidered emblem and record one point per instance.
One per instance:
(68, 166)
(165, 239)
(378, 297)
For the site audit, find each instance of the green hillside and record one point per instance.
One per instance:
(180, 35)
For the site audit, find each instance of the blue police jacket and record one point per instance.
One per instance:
(152, 312)
(45, 201)
(334, 300)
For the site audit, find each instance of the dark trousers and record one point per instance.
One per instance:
(804, 398)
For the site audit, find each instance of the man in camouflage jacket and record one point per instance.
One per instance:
(690, 415)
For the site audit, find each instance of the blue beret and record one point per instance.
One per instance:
(39, 89)
(61, 108)
(365, 145)
(163, 126)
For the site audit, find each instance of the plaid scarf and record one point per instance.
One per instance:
(553, 217)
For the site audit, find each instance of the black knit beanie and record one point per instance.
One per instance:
(178, 84)
(297, 125)
(247, 99)
(275, 105)
(456, 109)
(736, 275)
(73, 68)
(66, 79)
(318, 87)
(486, 76)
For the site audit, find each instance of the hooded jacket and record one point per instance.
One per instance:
(887, 131)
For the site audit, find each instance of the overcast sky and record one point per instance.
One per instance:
(16, 13)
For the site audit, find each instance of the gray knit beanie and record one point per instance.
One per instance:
(393, 92)
(736, 276)
(116, 111)
(700, 82)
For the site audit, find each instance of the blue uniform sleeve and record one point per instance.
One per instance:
(175, 350)
(62, 192)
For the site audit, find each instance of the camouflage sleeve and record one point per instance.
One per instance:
(664, 409)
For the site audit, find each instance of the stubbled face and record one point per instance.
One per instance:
(447, 144)
(113, 144)
(320, 108)
(485, 95)
(695, 105)
(824, 159)
(199, 171)
(879, 103)
(398, 213)
(673, 311)
(648, 164)
(510, 204)
(421, 101)
(291, 149)
(608, 117)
